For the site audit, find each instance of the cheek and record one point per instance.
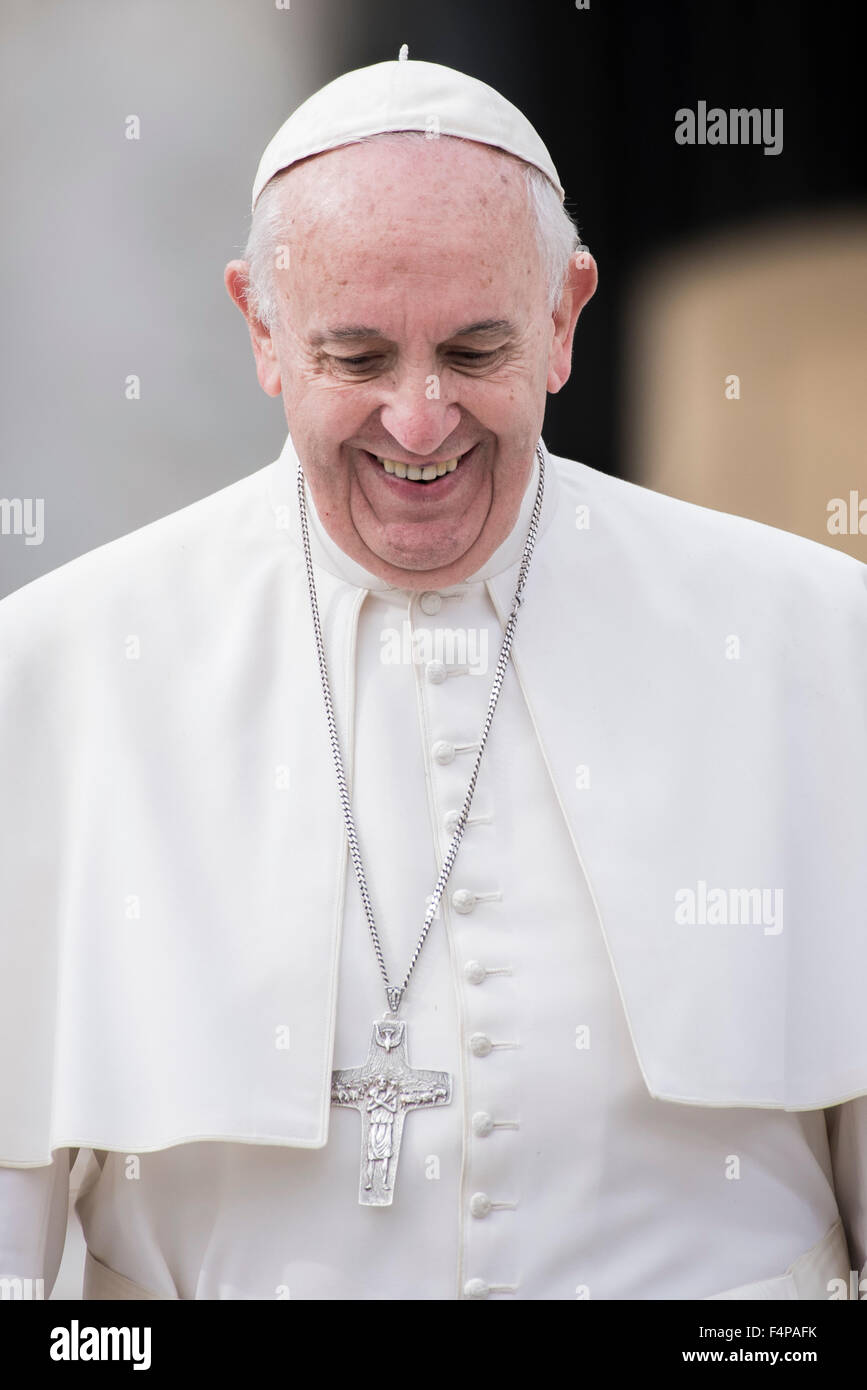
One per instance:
(329, 410)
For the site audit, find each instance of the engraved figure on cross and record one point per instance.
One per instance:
(383, 1098)
(385, 1089)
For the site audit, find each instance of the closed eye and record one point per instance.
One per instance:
(461, 357)
(467, 355)
(358, 363)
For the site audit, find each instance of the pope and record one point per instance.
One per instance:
(327, 959)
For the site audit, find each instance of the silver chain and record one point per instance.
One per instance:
(394, 993)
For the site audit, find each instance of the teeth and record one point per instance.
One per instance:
(416, 474)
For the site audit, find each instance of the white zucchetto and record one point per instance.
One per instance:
(402, 95)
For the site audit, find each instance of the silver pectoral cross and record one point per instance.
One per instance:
(384, 1089)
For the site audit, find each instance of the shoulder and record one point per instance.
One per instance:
(669, 542)
(149, 566)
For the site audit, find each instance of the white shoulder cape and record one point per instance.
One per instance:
(172, 854)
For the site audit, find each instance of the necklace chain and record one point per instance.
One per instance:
(394, 993)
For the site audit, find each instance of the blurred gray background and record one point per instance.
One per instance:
(115, 248)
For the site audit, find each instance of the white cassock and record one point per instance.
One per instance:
(656, 1095)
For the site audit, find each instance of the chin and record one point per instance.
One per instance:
(421, 568)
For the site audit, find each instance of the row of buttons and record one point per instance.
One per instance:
(464, 901)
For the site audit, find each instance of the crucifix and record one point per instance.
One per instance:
(384, 1089)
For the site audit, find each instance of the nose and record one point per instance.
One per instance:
(416, 418)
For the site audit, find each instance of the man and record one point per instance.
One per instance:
(594, 912)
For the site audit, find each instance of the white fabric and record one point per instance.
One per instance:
(814, 1275)
(593, 1154)
(33, 1214)
(403, 95)
(160, 873)
(258, 1221)
(611, 1191)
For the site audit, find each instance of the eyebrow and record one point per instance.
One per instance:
(344, 333)
(485, 328)
(357, 332)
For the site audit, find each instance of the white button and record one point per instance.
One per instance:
(476, 1288)
(430, 602)
(463, 900)
(480, 1204)
(450, 821)
(475, 972)
(480, 1045)
(483, 1124)
(443, 751)
(436, 672)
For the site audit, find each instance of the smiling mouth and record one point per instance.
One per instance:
(426, 473)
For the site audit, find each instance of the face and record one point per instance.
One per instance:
(413, 327)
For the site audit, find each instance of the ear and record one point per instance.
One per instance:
(237, 282)
(579, 287)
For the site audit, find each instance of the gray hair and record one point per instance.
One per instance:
(556, 233)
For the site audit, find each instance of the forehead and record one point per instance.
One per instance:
(393, 173)
(388, 218)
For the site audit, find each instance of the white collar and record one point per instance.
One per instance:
(328, 555)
